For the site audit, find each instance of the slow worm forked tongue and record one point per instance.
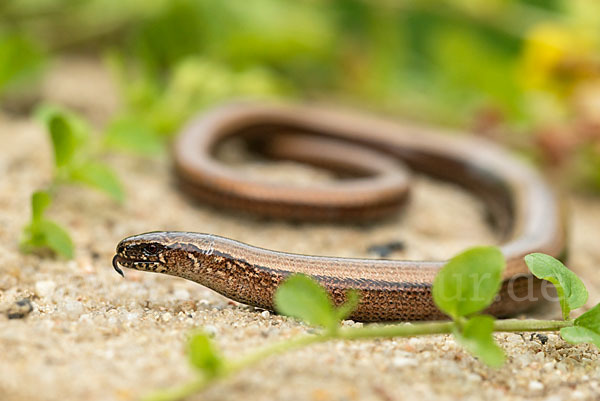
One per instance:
(116, 266)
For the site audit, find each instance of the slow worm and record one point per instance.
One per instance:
(522, 207)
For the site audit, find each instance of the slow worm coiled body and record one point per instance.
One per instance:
(522, 207)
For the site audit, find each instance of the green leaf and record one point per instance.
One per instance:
(56, 238)
(580, 335)
(346, 309)
(63, 137)
(32, 237)
(40, 200)
(101, 177)
(20, 61)
(570, 289)
(476, 337)
(203, 356)
(586, 328)
(301, 297)
(132, 134)
(47, 234)
(469, 281)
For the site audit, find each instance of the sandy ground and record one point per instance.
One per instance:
(95, 336)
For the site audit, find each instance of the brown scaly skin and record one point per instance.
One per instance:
(389, 290)
(524, 210)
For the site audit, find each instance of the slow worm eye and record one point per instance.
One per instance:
(150, 249)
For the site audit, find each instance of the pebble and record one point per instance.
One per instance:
(19, 309)
(265, 314)
(474, 377)
(400, 362)
(523, 359)
(535, 385)
(562, 366)
(73, 309)
(514, 338)
(181, 294)
(86, 317)
(383, 250)
(210, 330)
(45, 288)
(542, 338)
(577, 395)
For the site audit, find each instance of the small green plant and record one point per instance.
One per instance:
(74, 163)
(463, 288)
(44, 233)
(570, 289)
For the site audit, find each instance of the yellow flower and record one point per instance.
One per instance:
(556, 58)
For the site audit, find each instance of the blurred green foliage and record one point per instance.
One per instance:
(41, 233)
(74, 163)
(74, 158)
(511, 69)
(20, 59)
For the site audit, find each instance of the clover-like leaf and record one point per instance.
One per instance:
(301, 297)
(585, 329)
(47, 234)
(476, 337)
(203, 355)
(57, 239)
(570, 289)
(469, 281)
(69, 134)
(63, 137)
(101, 177)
